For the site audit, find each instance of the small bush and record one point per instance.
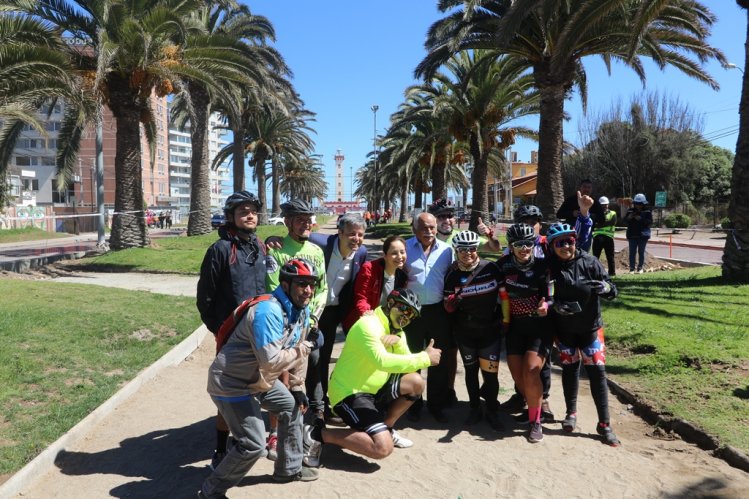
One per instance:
(725, 223)
(677, 221)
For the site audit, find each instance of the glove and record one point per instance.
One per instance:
(451, 302)
(599, 287)
(566, 308)
(300, 398)
(314, 337)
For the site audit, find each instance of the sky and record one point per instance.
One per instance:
(347, 56)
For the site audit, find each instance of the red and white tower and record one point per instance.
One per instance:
(339, 175)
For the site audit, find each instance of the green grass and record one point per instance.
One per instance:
(27, 234)
(680, 340)
(68, 348)
(383, 231)
(178, 255)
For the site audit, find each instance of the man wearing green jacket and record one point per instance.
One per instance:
(374, 382)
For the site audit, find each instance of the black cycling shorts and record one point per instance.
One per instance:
(366, 412)
(529, 334)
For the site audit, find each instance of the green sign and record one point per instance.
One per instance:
(660, 199)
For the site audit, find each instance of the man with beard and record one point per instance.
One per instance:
(374, 381)
(232, 271)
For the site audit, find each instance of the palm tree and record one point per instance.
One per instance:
(33, 70)
(736, 251)
(304, 179)
(486, 93)
(235, 38)
(553, 36)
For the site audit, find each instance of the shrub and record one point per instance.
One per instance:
(725, 223)
(677, 221)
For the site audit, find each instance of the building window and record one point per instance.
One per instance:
(48, 161)
(64, 196)
(522, 172)
(30, 184)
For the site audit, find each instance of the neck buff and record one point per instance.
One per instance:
(523, 266)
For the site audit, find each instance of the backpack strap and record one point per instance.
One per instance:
(230, 323)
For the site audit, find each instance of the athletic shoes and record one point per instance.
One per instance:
(312, 448)
(492, 417)
(303, 475)
(203, 496)
(400, 441)
(473, 417)
(516, 403)
(570, 422)
(535, 433)
(217, 458)
(272, 446)
(607, 435)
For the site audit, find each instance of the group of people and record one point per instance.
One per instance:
(275, 307)
(377, 216)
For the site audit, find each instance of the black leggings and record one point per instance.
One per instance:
(598, 388)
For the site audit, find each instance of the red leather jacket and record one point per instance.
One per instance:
(368, 289)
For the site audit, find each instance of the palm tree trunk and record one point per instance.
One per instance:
(259, 160)
(275, 169)
(199, 221)
(418, 193)
(439, 186)
(238, 160)
(479, 202)
(128, 222)
(549, 180)
(736, 250)
(404, 199)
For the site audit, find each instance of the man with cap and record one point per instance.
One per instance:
(374, 383)
(232, 271)
(298, 219)
(603, 234)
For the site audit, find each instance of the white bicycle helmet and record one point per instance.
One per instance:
(640, 198)
(466, 239)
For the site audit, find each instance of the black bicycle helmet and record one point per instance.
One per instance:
(298, 267)
(520, 232)
(239, 198)
(441, 206)
(407, 297)
(527, 211)
(296, 207)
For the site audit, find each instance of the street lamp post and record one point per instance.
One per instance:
(374, 143)
(351, 168)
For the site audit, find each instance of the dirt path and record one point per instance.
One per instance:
(158, 443)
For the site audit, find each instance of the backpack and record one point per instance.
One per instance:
(230, 323)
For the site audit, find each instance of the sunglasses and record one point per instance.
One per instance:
(444, 217)
(467, 250)
(564, 243)
(406, 310)
(304, 283)
(523, 244)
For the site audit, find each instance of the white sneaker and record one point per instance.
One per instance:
(399, 441)
(312, 448)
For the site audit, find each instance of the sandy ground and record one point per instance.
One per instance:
(159, 442)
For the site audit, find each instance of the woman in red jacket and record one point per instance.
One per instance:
(377, 278)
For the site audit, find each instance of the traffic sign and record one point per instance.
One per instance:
(660, 199)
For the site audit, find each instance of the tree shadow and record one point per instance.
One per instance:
(162, 461)
(742, 393)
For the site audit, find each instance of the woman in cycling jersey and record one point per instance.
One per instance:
(525, 295)
(377, 278)
(471, 287)
(579, 281)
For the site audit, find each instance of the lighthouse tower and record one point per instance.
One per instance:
(339, 175)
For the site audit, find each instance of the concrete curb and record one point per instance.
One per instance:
(22, 265)
(684, 429)
(679, 244)
(44, 461)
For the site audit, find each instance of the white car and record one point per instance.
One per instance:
(275, 221)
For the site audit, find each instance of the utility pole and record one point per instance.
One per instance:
(374, 143)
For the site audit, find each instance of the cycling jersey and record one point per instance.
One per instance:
(477, 310)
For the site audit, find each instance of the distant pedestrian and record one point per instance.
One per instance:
(639, 218)
(162, 217)
(603, 235)
(168, 219)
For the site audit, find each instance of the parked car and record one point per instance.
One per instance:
(218, 220)
(275, 221)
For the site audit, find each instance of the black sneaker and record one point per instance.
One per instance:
(516, 403)
(607, 435)
(535, 433)
(203, 496)
(492, 417)
(570, 422)
(304, 475)
(546, 415)
(438, 415)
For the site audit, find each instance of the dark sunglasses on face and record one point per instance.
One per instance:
(443, 217)
(522, 244)
(304, 283)
(564, 243)
(467, 250)
(406, 310)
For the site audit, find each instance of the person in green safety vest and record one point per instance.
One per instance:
(603, 234)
